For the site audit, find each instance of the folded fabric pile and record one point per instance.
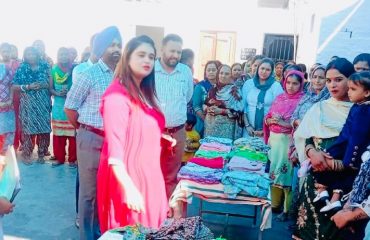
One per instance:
(191, 228)
(252, 143)
(253, 184)
(246, 169)
(215, 146)
(225, 141)
(200, 174)
(249, 154)
(184, 228)
(242, 164)
(213, 152)
(217, 162)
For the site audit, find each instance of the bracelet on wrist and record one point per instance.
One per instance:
(267, 122)
(308, 151)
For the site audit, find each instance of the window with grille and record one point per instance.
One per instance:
(279, 47)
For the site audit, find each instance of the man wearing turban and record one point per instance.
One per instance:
(82, 109)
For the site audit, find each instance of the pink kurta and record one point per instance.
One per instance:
(132, 134)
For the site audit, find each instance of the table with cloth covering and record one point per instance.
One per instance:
(210, 190)
(187, 189)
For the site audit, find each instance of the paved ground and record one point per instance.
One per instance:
(45, 209)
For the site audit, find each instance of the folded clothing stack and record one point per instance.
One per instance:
(225, 141)
(242, 164)
(246, 173)
(213, 152)
(253, 143)
(249, 154)
(200, 174)
(183, 228)
(217, 162)
(252, 184)
(215, 146)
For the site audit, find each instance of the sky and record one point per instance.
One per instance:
(72, 22)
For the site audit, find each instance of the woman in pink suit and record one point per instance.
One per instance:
(130, 184)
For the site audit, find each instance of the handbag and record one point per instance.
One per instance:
(10, 180)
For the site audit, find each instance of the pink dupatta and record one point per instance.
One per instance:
(283, 107)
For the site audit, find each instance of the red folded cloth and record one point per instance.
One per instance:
(217, 162)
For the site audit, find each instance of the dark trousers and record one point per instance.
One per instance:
(336, 180)
(171, 161)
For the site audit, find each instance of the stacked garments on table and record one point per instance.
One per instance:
(200, 174)
(208, 163)
(253, 143)
(224, 141)
(246, 169)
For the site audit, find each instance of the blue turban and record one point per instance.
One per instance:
(104, 39)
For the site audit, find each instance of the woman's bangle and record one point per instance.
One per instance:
(308, 151)
(266, 122)
(23, 88)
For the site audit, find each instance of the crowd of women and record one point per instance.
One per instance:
(316, 123)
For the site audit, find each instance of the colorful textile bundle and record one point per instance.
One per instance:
(215, 146)
(247, 169)
(250, 155)
(242, 164)
(191, 228)
(217, 162)
(252, 143)
(211, 154)
(209, 139)
(253, 184)
(197, 173)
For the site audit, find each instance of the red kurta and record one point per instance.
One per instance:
(132, 134)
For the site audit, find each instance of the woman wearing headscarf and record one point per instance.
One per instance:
(317, 92)
(236, 75)
(200, 94)
(318, 130)
(32, 80)
(258, 94)
(224, 106)
(277, 133)
(63, 130)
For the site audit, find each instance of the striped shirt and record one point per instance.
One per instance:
(86, 94)
(174, 91)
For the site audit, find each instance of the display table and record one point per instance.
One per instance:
(187, 189)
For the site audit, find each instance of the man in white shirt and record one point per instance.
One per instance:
(174, 87)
